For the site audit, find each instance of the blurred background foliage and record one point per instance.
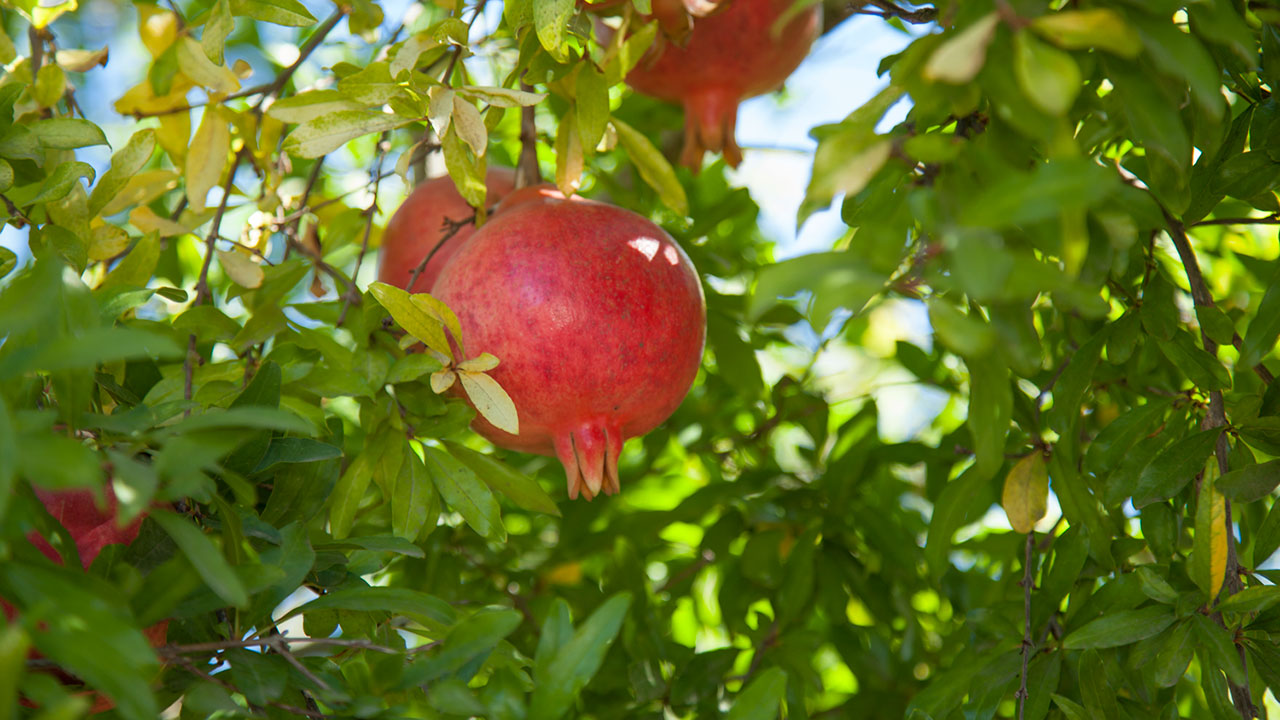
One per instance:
(1007, 449)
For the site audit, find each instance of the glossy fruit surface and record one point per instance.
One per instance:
(730, 55)
(419, 223)
(597, 317)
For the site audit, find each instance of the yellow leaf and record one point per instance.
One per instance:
(146, 220)
(158, 29)
(491, 401)
(442, 380)
(141, 189)
(484, 363)
(45, 13)
(241, 268)
(174, 133)
(107, 241)
(1026, 492)
(441, 312)
(469, 125)
(207, 157)
(569, 573)
(1209, 550)
(141, 99)
(960, 58)
(197, 66)
(81, 60)
(410, 316)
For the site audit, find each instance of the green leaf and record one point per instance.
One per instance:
(962, 55)
(838, 279)
(261, 678)
(1256, 599)
(1018, 198)
(1175, 654)
(376, 543)
(91, 348)
(347, 495)
(413, 500)
(1114, 442)
(1215, 324)
(521, 489)
(1156, 587)
(1068, 392)
(216, 29)
(262, 418)
(68, 133)
(397, 601)
(591, 105)
(289, 13)
(761, 698)
(1264, 328)
(990, 411)
(8, 260)
(296, 450)
(464, 492)
(1049, 77)
(577, 661)
(326, 133)
(1251, 483)
(412, 367)
(1174, 467)
(205, 558)
(1201, 368)
(1217, 644)
(550, 20)
(1122, 627)
(653, 167)
(471, 640)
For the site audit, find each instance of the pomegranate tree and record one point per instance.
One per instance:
(597, 316)
(420, 222)
(730, 55)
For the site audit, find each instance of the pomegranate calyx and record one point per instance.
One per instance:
(589, 454)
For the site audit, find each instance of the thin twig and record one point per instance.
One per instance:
(1215, 417)
(274, 87)
(1272, 219)
(1027, 645)
(353, 292)
(887, 9)
(451, 228)
(203, 293)
(175, 650)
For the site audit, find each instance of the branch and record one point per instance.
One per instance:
(1215, 417)
(527, 172)
(273, 88)
(887, 9)
(451, 228)
(353, 292)
(202, 285)
(1027, 644)
(1272, 219)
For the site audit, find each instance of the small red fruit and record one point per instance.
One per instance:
(731, 55)
(598, 319)
(417, 226)
(92, 529)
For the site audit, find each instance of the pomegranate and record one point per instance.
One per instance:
(91, 529)
(730, 55)
(418, 224)
(597, 316)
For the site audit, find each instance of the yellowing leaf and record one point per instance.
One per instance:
(141, 99)
(469, 125)
(653, 166)
(158, 28)
(550, 19)
(442, 380)
(440, 108)
(197, 66)
(960, 58)
(146, 220)
(1026, 493)
(81, 60)
(310, 105)
(484, 363)
(107, 241)
(50, 84)
(407, 56)
(491, 401)
(241, 268)
(502, 97)
(329, 132)
(44, 13)
(569, 573)
(207, 157)
(569, 156)
(141, 189)
(1101, 28)
(173, 134)
(1209, 551)
(441, 312)
(415, 321)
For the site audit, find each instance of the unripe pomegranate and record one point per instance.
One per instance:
(419, 223)
(731, 55)
(598, 319)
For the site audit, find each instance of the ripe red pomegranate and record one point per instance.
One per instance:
(731, 55)
(91, 529)
(416, 228)
(598, 319)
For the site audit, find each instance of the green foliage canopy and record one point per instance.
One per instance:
(1081, 196)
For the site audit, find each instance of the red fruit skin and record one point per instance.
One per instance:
(416, 228)
(91, 529)
(597, 317)
(730, 56)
